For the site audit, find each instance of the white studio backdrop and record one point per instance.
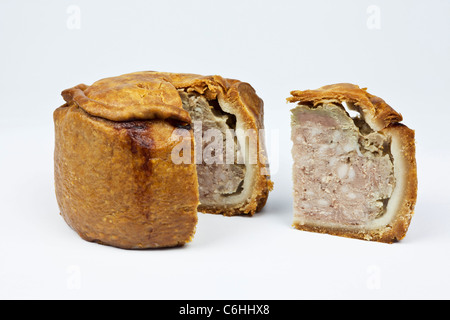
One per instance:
(399, 50)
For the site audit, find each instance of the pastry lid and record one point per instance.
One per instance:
(374, 110)
(138, 96)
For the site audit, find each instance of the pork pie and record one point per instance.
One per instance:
(126, 172)
(353, 176)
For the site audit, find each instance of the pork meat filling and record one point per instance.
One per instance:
(217, 177)
(343, 172)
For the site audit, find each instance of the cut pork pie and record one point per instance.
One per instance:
(227, 117)
(353, 176)
(128, 170)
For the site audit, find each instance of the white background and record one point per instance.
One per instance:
(401, 55)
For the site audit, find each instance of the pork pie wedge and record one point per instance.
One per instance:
(116, 175)
(353, 176)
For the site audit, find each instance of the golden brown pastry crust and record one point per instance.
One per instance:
(115, 181)
(377, 113)
(116, 184)
(381, 117)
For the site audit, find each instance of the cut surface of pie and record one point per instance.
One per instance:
(352, 176)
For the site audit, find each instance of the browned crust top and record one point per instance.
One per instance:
(374, 109)
(153, 95)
